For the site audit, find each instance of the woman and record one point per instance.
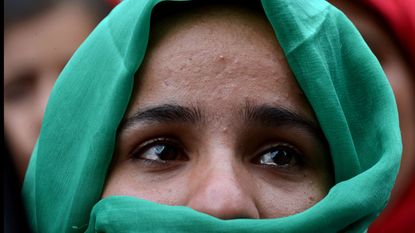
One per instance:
(218, 123)
(40, 37)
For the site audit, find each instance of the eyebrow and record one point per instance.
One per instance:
(261, 115)
(166, 113)
(271, 116)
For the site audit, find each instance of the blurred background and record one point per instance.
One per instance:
(388, 27)
(40, 36)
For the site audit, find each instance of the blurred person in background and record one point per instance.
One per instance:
(39, 38)
(389, 29)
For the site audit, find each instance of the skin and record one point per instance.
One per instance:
(224, 66)
(35, 51)
(402, 81)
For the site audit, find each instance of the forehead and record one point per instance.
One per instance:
(46, 39)
(216, 55)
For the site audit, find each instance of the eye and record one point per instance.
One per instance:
(21, 89)
(160, 151)
(279, 156)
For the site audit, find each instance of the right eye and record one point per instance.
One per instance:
(160, 151)
(20, 89)
(280, 156)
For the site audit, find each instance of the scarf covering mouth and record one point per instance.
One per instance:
(341, 78)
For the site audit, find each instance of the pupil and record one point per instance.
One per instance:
(281, 157)
(166, 152)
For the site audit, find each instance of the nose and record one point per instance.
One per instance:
(221, 193)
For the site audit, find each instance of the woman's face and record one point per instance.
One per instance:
(218, 123)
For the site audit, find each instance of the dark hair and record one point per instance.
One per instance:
(169, 8)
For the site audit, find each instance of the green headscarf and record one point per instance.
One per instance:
(341, 78)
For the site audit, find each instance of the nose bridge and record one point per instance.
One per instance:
(221, 190)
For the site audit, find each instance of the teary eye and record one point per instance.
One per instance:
(278, 156)
(160, 151)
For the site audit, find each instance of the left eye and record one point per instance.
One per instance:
(159, 151)
(279, 156)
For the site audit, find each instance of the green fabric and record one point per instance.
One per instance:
(341, 78)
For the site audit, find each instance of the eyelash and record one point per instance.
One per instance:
(295, 156)
(139, 152)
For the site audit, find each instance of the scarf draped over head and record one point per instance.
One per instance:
(339, 75)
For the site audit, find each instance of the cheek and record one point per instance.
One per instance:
(291, 198)
(21, 128)
(127, 180)
(21, 136)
